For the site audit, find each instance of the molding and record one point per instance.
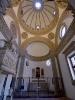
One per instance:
(37, 39)
(24, 35)
(51, 35)
(44, 40)
(69, 50)
(62, 3)
(21, 66)
(41, 58)
(10, 12)
(41, 31)
(4, 28)
(66, 13)
(69, 35)
(60, 72)
(15, 2)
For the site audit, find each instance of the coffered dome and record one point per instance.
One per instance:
(38, 16)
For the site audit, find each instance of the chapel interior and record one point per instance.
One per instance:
(37, 49)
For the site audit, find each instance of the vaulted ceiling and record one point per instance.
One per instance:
(38, 25)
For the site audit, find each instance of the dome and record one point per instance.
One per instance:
(38, 17)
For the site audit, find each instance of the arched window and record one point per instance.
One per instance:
(37, 72)
(63, 30)
(42, 72)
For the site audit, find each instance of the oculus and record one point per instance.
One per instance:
(38, 17)
(38, 5)
(48, 62)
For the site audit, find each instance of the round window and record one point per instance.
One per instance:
(48, 62)
(63, 30)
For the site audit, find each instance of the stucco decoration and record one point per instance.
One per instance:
(51, 36)
(43, 40)
(38, 21)
(66, 19)
(62, 3)
(24, 35)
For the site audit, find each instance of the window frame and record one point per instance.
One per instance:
(70, 66)
(69, 52)
(60, 30)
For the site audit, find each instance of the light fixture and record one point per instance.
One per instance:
(38, 4)
(37, 27)
(54, 12)
(48, 62)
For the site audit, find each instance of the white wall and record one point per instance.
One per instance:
(7, 87)
(27, 72)
(18, 67)
(2, 79)
(69, 87)
(33, 64)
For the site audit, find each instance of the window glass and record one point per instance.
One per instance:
(71, 63)
(73, 60)
(63, 31)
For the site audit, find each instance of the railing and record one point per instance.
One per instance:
(38, 87)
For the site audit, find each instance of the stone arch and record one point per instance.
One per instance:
(44, 40)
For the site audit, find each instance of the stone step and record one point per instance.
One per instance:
(40, 86)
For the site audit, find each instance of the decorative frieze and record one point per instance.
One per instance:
(9, 61)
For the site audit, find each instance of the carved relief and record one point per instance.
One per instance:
(10, 60)
(38, 22)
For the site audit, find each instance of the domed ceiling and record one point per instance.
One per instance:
(38, 16)
(38, 21)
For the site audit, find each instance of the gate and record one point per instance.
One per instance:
(38, 87)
